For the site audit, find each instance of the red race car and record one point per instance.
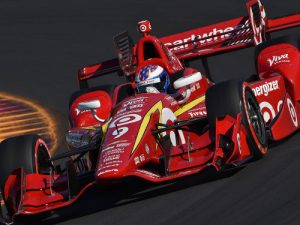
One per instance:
(138, 130)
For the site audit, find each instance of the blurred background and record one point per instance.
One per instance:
(43, 44)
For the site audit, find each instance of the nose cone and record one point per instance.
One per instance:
(114, 161)
(130, 126)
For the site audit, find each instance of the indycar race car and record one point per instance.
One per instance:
(117, 133)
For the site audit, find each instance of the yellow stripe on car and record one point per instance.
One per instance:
(189, 106)
(145, 122)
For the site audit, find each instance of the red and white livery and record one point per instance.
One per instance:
(118, 133)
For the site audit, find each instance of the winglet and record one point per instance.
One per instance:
(258, 20)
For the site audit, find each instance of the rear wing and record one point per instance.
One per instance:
(123, 64)
(238, 33)
(281, 23)
(88, 72)
(217, 38)
(242, 32)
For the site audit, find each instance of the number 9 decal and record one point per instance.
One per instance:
(118, 133)
(119, 123)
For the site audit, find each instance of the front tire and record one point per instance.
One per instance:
(231, 98)
(27, 151)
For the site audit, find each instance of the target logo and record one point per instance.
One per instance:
(119, 123)
(292, 112)
(144, 26)
(267, 111)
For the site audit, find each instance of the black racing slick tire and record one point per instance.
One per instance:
(27, 151)
(231, 98)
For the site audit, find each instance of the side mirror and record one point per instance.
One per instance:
(90, 105)
(186, 81)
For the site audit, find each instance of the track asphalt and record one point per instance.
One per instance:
(43, 43)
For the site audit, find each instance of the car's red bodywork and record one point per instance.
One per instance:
(129, 146)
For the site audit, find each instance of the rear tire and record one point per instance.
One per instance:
(27, 151)
(231, 98)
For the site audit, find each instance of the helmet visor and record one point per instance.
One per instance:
(158, 83)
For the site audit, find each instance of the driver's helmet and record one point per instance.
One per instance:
(152, 76)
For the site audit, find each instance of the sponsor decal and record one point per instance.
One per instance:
(108, 148)
(113, 162)
(139, 159)
(128, 110)
(134, 101)
(266, 88)
(279, 59)
(292, 112)
(195, 87)
(110, 165)
(189, 106)
(197, 114)
(111, 158)
(205, 38)
(153, 175)
(146, 82)
(123, 145)
(171, 100)
(107, 171)
(117, 142)
(113, 152)
(132, 106)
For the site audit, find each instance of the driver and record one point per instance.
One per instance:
(152, 79)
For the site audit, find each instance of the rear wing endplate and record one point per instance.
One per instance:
(124, 48)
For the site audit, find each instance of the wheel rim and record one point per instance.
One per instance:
(256, 120)
(43, 165)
